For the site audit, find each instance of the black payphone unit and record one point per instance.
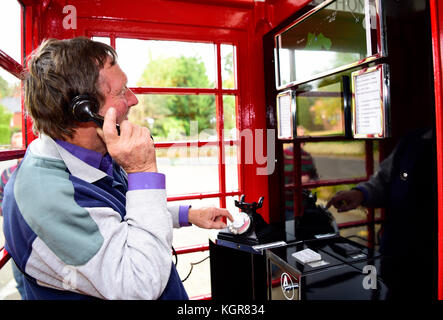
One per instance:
(249, 251)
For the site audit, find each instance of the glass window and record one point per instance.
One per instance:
(288, 179)
(320, 107)
(176, 117)
(105, 40)
(10, 98)
(154, 63)
(10, 112)
(324, 194)
(185, 117)
(358, 214)
(231, 166)
(10, 28)
(198, 281)
(189, 170)
(229, 117)
(227, 66)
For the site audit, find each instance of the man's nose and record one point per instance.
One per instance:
(132, 99)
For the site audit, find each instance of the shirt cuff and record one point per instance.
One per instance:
(146, 180)
(183, 216)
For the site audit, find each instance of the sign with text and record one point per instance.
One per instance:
(370, 103)
(285, 115)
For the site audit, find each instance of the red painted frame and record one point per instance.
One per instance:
(437, 36)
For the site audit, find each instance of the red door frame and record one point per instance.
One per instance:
(437, 44)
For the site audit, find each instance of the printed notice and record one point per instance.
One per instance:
(285, 116)
(368, 103)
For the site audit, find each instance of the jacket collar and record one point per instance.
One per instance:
(46, 147)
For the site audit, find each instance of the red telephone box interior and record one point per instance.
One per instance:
(243, 27)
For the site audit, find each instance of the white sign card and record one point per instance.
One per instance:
(368, 103)
(284, 114)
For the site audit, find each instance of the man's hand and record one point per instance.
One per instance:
(209, 217)
(134, 149)
(346, 200)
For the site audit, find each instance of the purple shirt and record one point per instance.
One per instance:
(136, 181)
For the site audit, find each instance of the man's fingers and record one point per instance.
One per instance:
(100, 133)
(109, 129)
(224, 213)
(218, 225)
(337, 199)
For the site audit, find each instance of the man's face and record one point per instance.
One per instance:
(112, 83)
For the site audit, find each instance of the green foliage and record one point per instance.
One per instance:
(229, 101)
(326, 193)
(5, 116)
(173, 114)
(5, 119)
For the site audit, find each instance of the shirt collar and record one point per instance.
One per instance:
(91, 157)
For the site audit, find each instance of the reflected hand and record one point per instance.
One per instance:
(346, 200)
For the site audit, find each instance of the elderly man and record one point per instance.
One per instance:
(85, 214)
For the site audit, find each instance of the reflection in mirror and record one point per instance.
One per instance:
(308, 174)
(359, 234)
(341, 33)
(337, 159)
(320, 108)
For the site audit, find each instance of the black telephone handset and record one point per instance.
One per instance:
(82, 106)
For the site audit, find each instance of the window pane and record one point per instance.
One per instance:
(333, 160)
(231, 168)
(189, 170)
(199, 281)
(106, 40)
(176, 117)
(227, 66)
(288, 156)
(10, 112)
(320, 110)
(10, 27)
(7, 282)
(170, 64)
(229, 118)
(376, 146)
(360, 213)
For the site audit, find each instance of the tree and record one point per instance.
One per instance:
(229, 101)
(5, 131)
(4, 88)
(5, 116)
(173, 114)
